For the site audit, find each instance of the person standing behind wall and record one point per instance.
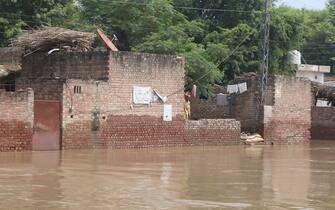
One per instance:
(187, 105)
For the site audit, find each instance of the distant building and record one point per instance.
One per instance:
(314, 73)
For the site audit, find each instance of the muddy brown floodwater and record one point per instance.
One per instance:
(231, 177)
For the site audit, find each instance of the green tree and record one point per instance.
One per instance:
(220, 13)
(179, 40)
(239, 43)
(130, 21)
(218, 38)
(21, 14)
(319, 45)
(331, 10)
(286, 34)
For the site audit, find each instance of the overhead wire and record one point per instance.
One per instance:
(185, 7)
(202, 76)
(208, 72)
(174, 6)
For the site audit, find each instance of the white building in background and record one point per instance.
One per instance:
(314, 73)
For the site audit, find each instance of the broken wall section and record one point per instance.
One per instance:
(245, 105)
(16, 120)
(288, 121)
(323, 123)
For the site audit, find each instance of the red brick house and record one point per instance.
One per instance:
(101, 99)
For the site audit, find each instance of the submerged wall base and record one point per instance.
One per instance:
(147, 131)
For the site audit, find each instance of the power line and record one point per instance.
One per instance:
(316, 45)
(142, 28)
(201, 77)
(204, 75)
(173, 6)
(185, 7)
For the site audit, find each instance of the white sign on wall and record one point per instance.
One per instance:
(167, 112)
(142, 95)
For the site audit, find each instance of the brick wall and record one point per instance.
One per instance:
(206, 109)
(125, 131)
(44, 89)
(16, 120)
(89, 116)
(79, 111)
(73, 65)
(323, 123)
(244, 106)
(289, 119)
(46, 74)
(160, 72)
(103, 114)
(122, 131)
(213, 132)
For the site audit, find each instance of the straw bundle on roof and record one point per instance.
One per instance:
(47, 38)
(7, 69)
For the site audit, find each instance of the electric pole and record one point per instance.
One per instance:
(265, 45)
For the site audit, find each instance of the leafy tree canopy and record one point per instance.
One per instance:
(218, 38)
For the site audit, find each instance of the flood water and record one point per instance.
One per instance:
(230, 177)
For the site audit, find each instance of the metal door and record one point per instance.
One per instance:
(46, 125)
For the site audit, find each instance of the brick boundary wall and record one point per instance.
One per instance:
(108, 106)
(16, 120)
(71, 65)
(323, 123)
(143, 132)
(288, 121)
(127, 131)
(202, 109)
(213, 132)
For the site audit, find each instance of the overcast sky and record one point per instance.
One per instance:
(308, 4)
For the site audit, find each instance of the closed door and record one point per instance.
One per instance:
(46, 125)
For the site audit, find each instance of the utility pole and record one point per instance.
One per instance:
(264, 57)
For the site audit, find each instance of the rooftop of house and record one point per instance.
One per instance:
(313, 68)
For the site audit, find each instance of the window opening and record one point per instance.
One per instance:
(77, 89)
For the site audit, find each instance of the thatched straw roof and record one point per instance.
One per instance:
(42, 40)
(48, 38)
